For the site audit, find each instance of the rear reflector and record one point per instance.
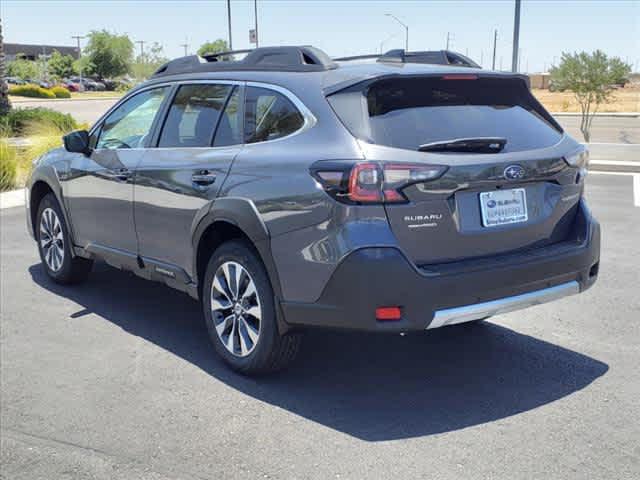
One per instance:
(388, 313)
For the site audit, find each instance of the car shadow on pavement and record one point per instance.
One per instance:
(373, 387)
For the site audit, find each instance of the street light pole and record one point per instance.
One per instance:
(406, 30)
(495, 40)
(255, 11)
(516, 37)
(229, 23)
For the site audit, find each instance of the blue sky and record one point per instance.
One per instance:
(347, 27)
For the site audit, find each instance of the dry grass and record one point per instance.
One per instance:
(625, 99)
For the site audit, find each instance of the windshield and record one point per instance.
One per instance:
(410, 112)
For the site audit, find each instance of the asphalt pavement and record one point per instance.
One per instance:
(116, 379)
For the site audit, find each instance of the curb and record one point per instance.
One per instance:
(55, 100)
(12, 198)
(600, 114)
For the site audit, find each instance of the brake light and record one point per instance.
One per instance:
(459, 77)
(372, 182)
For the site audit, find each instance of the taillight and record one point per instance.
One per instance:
(372, 182)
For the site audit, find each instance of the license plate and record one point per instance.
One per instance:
(502, 207)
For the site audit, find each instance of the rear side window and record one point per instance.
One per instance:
(269, 115)
(193, 115)
(409, 112)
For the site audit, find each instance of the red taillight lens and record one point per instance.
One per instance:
(372, 182)
(364, 183)
(386, 314)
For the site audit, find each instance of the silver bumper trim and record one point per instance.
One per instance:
(477, 311)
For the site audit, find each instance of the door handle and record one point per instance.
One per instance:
(120, 174)
(203, 178)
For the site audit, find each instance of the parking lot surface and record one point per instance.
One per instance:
(116, 378)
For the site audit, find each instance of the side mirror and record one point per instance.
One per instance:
(77, 142)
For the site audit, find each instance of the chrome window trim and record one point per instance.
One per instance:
(309, 118)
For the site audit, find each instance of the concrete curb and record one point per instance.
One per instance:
(56, 100)
(600, 114)
(12, 198)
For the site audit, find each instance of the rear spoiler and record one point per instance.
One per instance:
(337, 87)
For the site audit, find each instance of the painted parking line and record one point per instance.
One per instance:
(636, 183)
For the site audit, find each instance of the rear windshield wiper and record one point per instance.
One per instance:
(475, 145)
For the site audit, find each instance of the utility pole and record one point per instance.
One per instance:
(448, 36)
(185, 46)
(495, 40)
(78, 38)
(141, 43)
(255, 11)
(516, 37)
(481, 58)
(229, 23)
(406, 30)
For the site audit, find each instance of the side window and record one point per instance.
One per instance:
(269, 115)
(128, 125)
(193, 115)
(229, 130)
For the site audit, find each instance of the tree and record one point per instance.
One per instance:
(23, 69)
(146, 64)
(213, 47)
(61, 66)
(107, 54)
(591, 78)
(5, 105)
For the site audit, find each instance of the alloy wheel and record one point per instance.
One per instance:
(235, 307)
(51, 239)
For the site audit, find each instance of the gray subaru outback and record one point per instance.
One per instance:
(286, 190)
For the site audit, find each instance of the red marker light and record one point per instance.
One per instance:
(388, 314)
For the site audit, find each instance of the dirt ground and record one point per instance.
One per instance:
(625, 99)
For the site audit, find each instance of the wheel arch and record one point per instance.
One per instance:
(41, 185)
(229, 219)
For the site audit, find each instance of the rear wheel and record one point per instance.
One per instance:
(239, 310)
(54, 244)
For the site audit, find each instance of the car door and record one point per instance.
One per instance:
(99, 187)
(178, 179)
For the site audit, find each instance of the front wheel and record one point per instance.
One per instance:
(239, 310)
(54, 244)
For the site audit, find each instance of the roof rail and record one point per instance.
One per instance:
(290, 59)
(437, 57)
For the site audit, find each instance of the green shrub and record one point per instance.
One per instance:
(61, 92)
(8, 166)
(14, 124)
(34, 91)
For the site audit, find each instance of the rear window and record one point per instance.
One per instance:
(409, 112)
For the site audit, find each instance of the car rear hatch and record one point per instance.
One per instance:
(505, 181)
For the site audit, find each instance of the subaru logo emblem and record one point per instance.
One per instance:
(514, 172)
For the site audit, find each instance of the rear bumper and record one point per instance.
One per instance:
(440, 295)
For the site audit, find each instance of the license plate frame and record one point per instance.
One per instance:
(491, 215)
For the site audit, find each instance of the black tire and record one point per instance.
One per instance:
(69, 269)
(272, 351)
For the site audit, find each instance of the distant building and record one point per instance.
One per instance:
(34, 52)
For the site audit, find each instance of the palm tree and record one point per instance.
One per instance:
(5, 106)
